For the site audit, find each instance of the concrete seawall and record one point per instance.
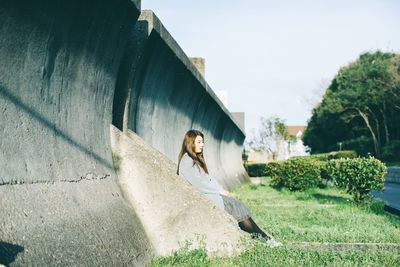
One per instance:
(69, 70)
(59, 198)
(167, 96)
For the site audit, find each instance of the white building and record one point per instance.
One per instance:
(296, 148)
(288, 149)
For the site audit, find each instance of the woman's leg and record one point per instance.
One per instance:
(239, 211)
(249, 226)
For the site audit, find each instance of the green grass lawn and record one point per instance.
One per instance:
(318, 215)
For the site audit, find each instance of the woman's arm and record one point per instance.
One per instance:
(197, 179)
(224, 193)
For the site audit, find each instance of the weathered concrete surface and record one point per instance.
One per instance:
(199, 63)
(59, 63)
(239, 118)
(171, 210)
(65, 75)
(84, 223)
(167, 96)
(59, 198)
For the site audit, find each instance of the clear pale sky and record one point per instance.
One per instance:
(274, 58)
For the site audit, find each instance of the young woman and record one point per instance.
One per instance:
(192, 166)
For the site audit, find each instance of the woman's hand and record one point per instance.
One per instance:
(224, 193)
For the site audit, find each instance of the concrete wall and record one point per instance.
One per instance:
(168, 96)
(59, 199)
(199, 63)
(239, 118)
(70, 69)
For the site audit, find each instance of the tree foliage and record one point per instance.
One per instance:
(359, 108)
(270, 137)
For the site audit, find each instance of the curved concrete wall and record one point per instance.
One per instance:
(65, 73)
(168, 96)
(60, 201)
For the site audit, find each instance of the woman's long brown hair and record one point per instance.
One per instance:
(188, 147)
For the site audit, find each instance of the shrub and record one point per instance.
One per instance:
(320, 156)
(263, 169)
(357, 176)
(335, 155)
(350, 154)
(297, 174)
(245, 156)
(256, 169)
(272, 168)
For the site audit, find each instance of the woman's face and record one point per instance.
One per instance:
(198, 144)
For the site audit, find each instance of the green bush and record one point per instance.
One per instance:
(256, 169)
(263, 169)
(245, 156)
(350, 154)
(272, 168)
(320, 156)
(358, 176)
(334, 155)
(297, 174)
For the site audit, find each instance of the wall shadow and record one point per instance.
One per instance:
(51, 126)
(9, 252)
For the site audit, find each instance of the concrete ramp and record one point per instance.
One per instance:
(171, 210)
(60, 203)
(167, 96)
(85, 223)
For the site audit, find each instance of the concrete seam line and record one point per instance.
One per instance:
(60, 181)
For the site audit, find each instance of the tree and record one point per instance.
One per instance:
(271, 136)
(360, 101)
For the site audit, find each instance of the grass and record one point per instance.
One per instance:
(318, 215)
(261, 256)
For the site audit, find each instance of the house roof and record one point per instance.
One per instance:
(294, 130)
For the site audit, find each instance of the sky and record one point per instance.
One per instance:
(276, 58)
